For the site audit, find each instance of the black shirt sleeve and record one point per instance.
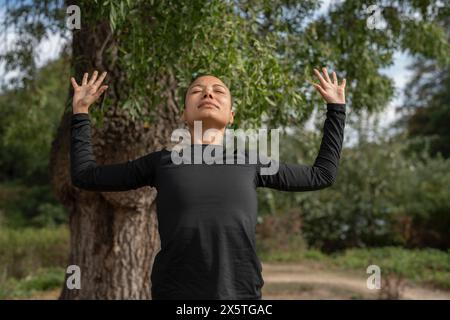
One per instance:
(323, 173)
(87, 174)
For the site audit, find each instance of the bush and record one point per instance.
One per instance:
(383, 196)
(24, 205)
(279, 235)
(24, 251)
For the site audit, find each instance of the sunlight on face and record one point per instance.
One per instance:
(208, 100)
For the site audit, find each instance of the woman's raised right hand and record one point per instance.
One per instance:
(89, 91)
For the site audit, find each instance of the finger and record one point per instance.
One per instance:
(334, 78)
(100, 80)
(85, 77)
(74, 83)
(321, 79)
(319, 88)
(94, 77)
(325, 72)
(100, 91)
(343, 83)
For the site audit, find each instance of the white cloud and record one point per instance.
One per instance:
(50, 48)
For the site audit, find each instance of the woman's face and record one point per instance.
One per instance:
(208, 100)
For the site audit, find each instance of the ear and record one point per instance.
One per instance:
(231, 117)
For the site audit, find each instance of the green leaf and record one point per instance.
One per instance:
(272, 103)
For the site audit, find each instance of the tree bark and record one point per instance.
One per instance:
(113, 235)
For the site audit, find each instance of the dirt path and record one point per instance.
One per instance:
(300, 281)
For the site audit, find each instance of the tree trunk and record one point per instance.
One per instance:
(113, 235)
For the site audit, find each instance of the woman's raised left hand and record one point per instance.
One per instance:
(330, 89)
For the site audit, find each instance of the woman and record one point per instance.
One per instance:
(206, 213)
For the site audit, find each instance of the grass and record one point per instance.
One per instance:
(32, 260)
(41, 280)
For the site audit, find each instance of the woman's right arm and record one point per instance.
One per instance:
(85, 172)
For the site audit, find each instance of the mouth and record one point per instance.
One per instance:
(208, 105)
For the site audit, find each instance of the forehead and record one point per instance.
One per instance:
(208, 80)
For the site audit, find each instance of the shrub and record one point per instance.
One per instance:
(24, 251)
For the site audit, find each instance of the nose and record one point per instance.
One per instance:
(208, 93)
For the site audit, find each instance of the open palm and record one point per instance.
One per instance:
(331, 90)
(89, 91)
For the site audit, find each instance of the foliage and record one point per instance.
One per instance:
(28, 122)
(188, 37)
(428, 108)
(384, 195)
(29, 205)
(42, 280)
(32, 260)
(24, 251)
(264, 49)
(426, 111)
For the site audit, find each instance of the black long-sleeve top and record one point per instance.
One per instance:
(206, 213)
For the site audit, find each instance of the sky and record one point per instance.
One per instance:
(51, 48)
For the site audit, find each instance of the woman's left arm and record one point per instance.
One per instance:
(323, 173)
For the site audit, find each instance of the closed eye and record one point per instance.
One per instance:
(214, 90)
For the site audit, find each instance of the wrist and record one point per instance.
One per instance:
(80, 110)
(336, 101)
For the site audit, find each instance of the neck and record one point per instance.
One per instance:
(205, 134)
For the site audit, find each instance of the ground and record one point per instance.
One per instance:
(306, 281)
(309, 281)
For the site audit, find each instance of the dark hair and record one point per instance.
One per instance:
(199, 75)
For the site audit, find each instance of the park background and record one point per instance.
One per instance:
(390, 205)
